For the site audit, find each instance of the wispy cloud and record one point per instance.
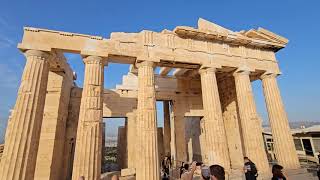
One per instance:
(4, 23)
(9, 77)
(6, 42)
(6, 28)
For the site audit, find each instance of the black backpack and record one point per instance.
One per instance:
(254, 169)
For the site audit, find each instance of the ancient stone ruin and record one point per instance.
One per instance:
(55, 128)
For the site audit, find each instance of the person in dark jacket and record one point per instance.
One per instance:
(250, 169)
(277, 173)
(166, 164)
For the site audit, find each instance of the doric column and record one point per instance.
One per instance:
(216, 146)
(251, 132)
(166, 128)
(283, 142)
(87, 159)
(21, 146)
(148, 160)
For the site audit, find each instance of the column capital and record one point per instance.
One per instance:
(94, 60)
(145, 63)
(268, 75)
(207, 69)
(41, 54)
(241, 72)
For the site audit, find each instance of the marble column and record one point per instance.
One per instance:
(166, 128)
(87, 159)
(148, 161)
(21, 146)
(283, 142)
(215, 135)
(251, 132)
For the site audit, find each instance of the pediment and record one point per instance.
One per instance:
(207, 30)
(205, 25)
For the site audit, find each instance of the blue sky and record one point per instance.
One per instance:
(294, 19)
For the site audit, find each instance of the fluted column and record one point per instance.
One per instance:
(283, 142)
(147, 167)
(166, 128)
(249, 121)
(87, 159)
(21, 146)
(216, 142)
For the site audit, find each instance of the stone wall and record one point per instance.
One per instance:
(53, 129)
(71, 132)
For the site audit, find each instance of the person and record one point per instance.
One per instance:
(181, 169)
(166, 163)
(188, 174)
(319, 157)
(277, 173)
(217, 172)
(81, 178)
(250, 169)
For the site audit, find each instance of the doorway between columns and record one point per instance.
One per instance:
(114, 144)
(194, 138)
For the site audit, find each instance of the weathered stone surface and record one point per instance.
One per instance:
(229, 106)
(215, 136)
(227, 122)
(282, 138)
(251, 131)
(128, 172)
(20, 152)
(87, 160)
(147, 146)
(52, 137)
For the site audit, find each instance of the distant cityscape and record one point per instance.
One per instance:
(112, 136)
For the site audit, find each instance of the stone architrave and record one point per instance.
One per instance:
(20, 152)
(251, 133)
(214, 130)
(166, 128)
(147, 146)
(87, 159)
(283, 142)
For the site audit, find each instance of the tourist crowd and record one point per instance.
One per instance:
(199, 171)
